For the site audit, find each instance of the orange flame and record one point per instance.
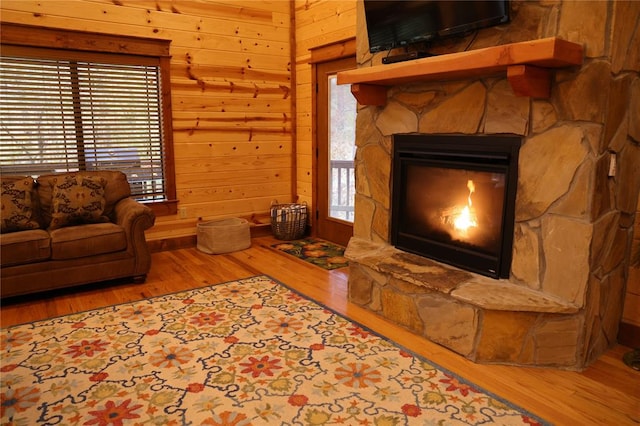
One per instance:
(467, 217)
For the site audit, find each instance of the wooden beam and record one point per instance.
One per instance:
(527, 61)
(548, 53)
(36, 36)
(528, 80)
(369, 94)
(332, 51)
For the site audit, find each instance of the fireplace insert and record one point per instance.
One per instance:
(453, 199)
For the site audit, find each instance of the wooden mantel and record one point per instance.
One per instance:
(527, 65)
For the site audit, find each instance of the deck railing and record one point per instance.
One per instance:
(343, 187)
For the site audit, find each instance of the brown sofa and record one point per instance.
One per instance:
(47, 244)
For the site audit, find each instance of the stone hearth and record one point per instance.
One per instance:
(481, 318)
(562, 303)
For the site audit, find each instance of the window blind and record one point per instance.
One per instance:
(67, 115)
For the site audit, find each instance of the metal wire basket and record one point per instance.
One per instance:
(289, 221)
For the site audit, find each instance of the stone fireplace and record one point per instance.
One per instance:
(577, 192)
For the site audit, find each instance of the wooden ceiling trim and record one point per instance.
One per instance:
(336, 50)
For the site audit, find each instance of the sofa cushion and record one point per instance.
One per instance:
(116, 188)
(77, 200)
(87, 240)
(17, 213)
(25, 247)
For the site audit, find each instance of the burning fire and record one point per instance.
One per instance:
(467, 217)
(462, 218)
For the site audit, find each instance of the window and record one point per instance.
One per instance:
(71, 109)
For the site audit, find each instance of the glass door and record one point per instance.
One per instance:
(335, 126)
(342, 136)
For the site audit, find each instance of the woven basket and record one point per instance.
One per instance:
(223, 236)
(289, 221)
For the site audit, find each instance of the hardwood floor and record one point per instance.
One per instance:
(607, 393)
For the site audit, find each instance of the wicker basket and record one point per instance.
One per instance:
(289, 221)
(223, 236)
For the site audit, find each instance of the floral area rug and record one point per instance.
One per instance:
(247, 352)
(321, 253)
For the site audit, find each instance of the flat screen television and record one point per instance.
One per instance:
(392, 24)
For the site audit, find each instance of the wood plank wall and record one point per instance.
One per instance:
(317, 23)
(232, 96)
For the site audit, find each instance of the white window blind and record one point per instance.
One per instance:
(59, 115)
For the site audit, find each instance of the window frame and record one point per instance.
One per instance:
(85, 43)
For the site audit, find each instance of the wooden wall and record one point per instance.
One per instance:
(317, 23)
(232, 96)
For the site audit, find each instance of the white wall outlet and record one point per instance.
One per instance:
(182, 212)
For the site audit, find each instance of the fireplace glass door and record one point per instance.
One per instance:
(454, 198)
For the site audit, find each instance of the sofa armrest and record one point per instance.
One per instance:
(135, 218)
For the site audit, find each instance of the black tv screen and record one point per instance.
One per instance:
(393, 24)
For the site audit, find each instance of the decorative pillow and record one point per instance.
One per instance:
(17, 206)
(77, 199)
